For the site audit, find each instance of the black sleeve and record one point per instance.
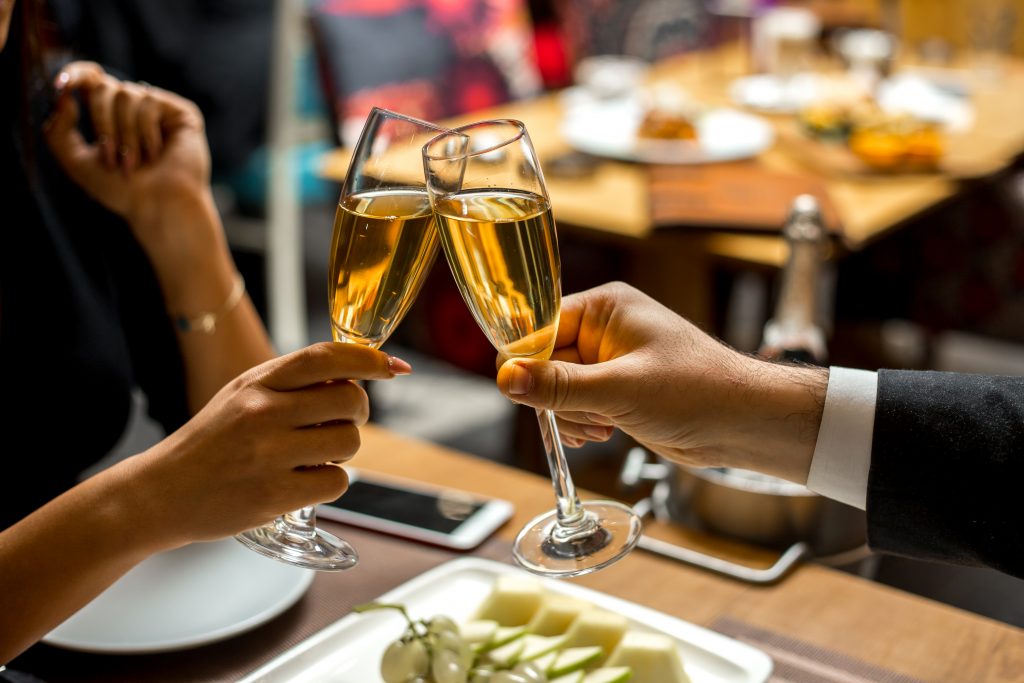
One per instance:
(947, 469)
(156, 360)
(120, 269)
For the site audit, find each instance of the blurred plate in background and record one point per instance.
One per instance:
(608, 128)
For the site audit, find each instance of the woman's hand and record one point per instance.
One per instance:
(269, 442)
(148, 155)
(265, 445)
(623, 360)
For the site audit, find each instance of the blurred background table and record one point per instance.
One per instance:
(612, 204)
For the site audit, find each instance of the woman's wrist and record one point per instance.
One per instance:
(137, 499)
(182, 235)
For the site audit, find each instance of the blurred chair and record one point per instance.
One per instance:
(648, 29)
(430, 59)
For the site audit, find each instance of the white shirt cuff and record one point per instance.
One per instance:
(842, 454)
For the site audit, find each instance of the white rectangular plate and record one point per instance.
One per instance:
(349, 650)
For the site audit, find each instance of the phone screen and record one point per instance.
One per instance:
(442, 513)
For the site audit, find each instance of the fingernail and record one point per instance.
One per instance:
(520, 381)
(397, 366)
(598, 419)
(61, 82)
(597, 433)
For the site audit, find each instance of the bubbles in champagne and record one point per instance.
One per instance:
(503, 251)
(384, 244)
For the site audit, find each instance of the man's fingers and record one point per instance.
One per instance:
(586, 418)
(329, 361)
(558, 386)
(580, 431)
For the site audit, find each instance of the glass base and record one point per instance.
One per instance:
(609, 531)
(316, 549)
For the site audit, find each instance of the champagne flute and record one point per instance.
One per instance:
(494, 219)
(383, 246)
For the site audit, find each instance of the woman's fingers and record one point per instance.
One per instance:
(335, 443)
(126, 101)
(99, 97)
(61, 131)
(150, 134)
(328, 361)
(338, 400)
(319, 484)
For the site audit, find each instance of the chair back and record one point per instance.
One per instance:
(430, 59)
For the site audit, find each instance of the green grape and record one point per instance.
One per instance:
(451, 640)
(530, 671)
(447, 667)
(404, 660)
(442, 624)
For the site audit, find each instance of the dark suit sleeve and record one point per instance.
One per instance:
(947, 469)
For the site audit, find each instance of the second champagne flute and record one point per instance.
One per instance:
(494, 219)
(383, 247)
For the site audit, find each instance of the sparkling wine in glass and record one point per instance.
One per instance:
(494, 219)
(383, 247)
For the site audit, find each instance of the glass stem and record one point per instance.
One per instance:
(300, 523)
(570, 512)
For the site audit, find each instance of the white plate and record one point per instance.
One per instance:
(349, 650)
(191, 596)
(775, 95)
(608, 129)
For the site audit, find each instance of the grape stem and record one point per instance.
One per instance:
(419, 634)
(374, 606)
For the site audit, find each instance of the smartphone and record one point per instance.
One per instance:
(441, 516)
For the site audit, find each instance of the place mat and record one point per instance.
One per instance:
(800, 662)
(741, 196)
(384, 563)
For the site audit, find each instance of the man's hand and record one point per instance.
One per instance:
(623, 360)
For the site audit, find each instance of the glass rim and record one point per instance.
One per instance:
(460, 131)
(405, 117)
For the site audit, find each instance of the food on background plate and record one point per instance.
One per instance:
(524, 634)
(668, 115)
(661, 125)
(898, 143)
(883, 140)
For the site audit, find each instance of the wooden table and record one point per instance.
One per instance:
(835, 615)
(821, 606)
(612, 204)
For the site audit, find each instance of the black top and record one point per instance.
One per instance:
(947, 468)
(82, 321)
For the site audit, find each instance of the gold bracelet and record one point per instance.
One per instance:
(207, 322)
